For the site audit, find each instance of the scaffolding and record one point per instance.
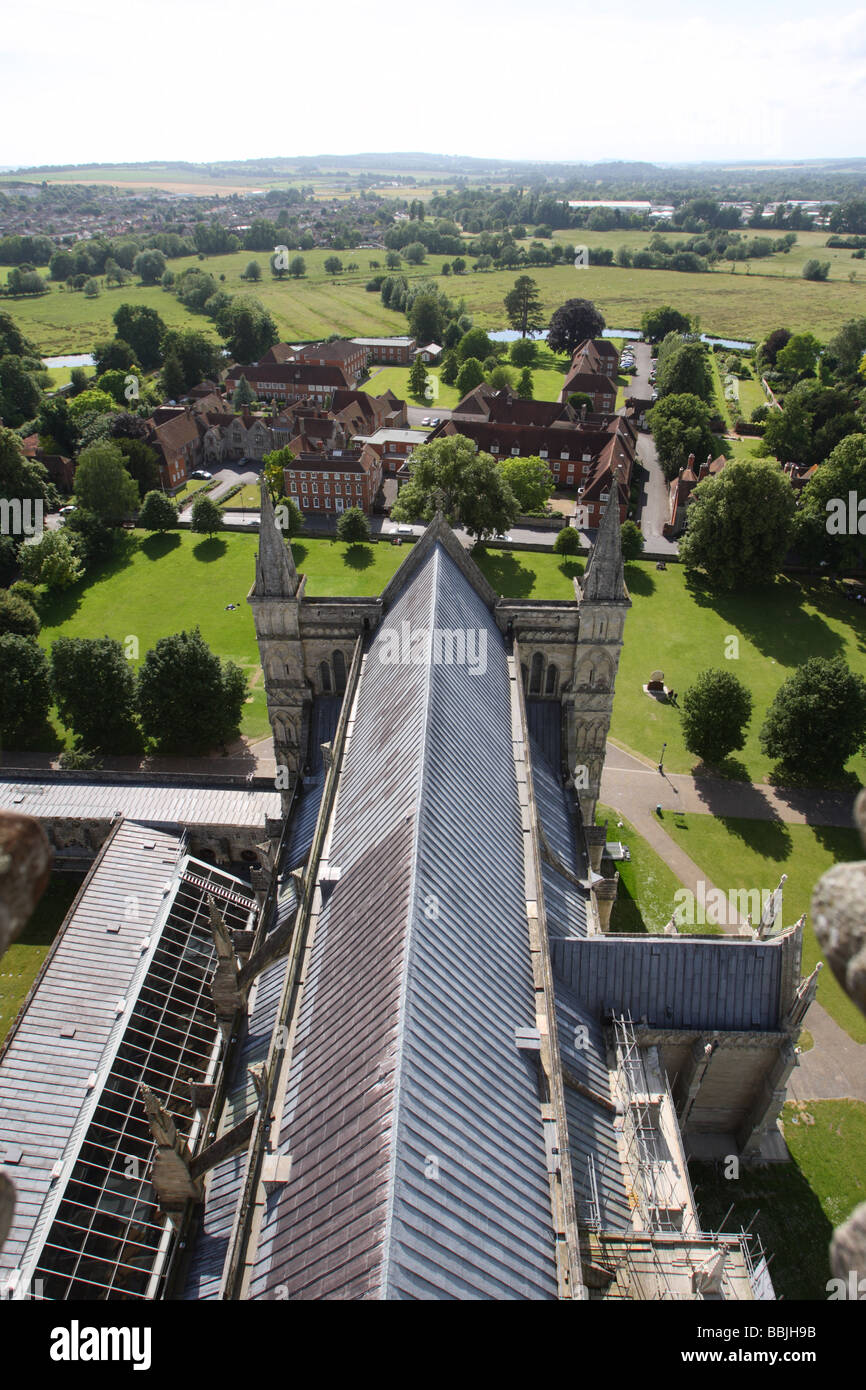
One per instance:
(657, 1180)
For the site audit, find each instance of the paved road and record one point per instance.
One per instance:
(227, 478)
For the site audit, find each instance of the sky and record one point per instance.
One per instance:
(664, 80)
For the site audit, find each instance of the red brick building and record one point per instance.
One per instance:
(290, 381)
(332, 482)
(174, 433)
(395, 352)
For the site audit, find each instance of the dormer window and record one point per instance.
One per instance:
(565, 454)
(542, 453)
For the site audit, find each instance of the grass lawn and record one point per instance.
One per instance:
(249, 497)
(799, 1202)
(22, 961)
(682, 631)
(739, 853)
(645, 897)
(189, 490)
(396, 379)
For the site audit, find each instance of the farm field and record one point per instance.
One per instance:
(739, 306)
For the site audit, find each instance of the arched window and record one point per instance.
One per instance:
(325, 675)
(535, 674)
(602, 628)
(551, 680)
(339, 672)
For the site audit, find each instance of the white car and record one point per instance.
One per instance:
(426, 420)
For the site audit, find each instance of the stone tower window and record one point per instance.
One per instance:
(325, 676)
(339, 672)
(535, 674)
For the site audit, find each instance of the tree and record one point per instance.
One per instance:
(715, 712)
(500, 377)
(273, 471)
(149, 266)
(207, 518)
(53, 561)
(425, 318)
(333, 265)
(418, 378)
(93, 539)
(247, 327)
(447, 475)
(815, 269)
(568, 541)
(681, 426)
(685, 371)
(19, 392)
(198, 357)
(297, 267)
(25, 692)
(253, 271)
(113, 355)
(90, 402)
(459, 266)
(21, 477)
(17, 615)
(740, 524)
(579, 400)
(474, 343)
(817, 719)
(143, 329)
(353, 526)
(531, 481)
(188, 700)
(525, 385)
(415, 253)
(393, 260)
(576, 320)
(158, 513)
(656, 324)
(632, 541)
(799, 356)
(815, 419)
(836, 537)
(772, 345)
(243, 394)
(93, 685)
(524, 309)
(524, 352)
(91, 288)
(103, 485)
(471, 374)
(172, 378)
(290, 517)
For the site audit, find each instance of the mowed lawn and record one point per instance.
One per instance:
(794, 1206)
(681, 631)
(736, 852)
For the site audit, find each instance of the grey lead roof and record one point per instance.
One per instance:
(672, 982)
(150, 805)
(418, 1162)
(43, 1076)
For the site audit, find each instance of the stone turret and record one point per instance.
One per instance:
(274, 601)
(603, 603)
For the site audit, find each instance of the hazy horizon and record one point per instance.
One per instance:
(557, 84)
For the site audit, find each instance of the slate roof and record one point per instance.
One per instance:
(418, 1163)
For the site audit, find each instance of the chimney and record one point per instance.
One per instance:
(691, 462)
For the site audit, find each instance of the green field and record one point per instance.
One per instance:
(798, 1203)
(745, 853)
(22, 961)
(741, 306)
(683, 631)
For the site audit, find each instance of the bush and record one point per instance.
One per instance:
(568, 542)
(29, 592)
(17, 615)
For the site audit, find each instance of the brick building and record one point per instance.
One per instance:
(335, 480)
(395, 352)
(290, 381)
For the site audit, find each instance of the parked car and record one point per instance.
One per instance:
(202, 473)
(426, 420)
(67, 511)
